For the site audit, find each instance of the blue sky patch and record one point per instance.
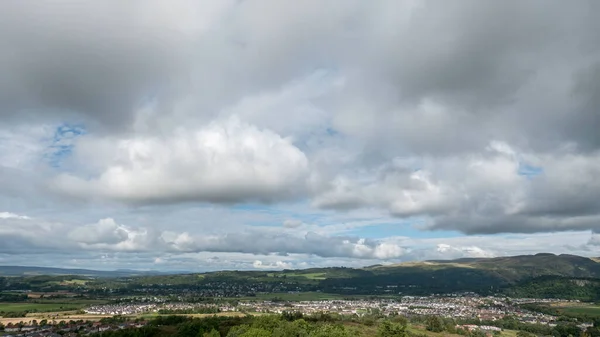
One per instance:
(62, 143)
(529, 170)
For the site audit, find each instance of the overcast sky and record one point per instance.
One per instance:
(249, 134)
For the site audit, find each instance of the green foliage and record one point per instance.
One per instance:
(434, 324)
(557, 287)
(389, 329)
(256, 332)
(212, 333)
(13, 314)
(524, 334)
(267, 322)
(329, 330)
(298, 328)
(147, 331)
(238, 331)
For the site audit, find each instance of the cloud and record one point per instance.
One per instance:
(108, 236)
(594, 240)
(427, 115)
(107, 244)
(258, 264)
(105, 231)
(292, 223)
(480, 193)
(95, 61)
(8, 215)
(451, 252)
(266, 242)
(226, 161)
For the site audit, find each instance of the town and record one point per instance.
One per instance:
(462, 307)
(127, 312)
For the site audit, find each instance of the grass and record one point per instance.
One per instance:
(420, 330)
(310, 276)
(39, 307)
(69, 301)
(591, 310)
(588, 309)
(74, 282)
(48, 305)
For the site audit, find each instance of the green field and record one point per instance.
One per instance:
(48, 305)
(310, 276)
(38, 307)
(72, 282)
(591, 310)
(68, 301)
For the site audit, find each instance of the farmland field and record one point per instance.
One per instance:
(39, 307)
(310, 276)
(576, 309)
(591, 310)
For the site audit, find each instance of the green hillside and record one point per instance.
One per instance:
(514, 275)
(540, 275)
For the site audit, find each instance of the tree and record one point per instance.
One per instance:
(297, 328)
(329, 330)
(434, 324)
(212, 333)
(389, 329)
(256, 332)
(238, 330)
(267, 322)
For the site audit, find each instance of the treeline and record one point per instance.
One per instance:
(286, 325)
(13, 297)
(417, 281)
(584, 289)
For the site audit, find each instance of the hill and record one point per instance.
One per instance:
(540, 275)
(481, 275)
(515, 268)
(38, 271)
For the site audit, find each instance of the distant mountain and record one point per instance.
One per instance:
(514, 268)
(34, 271)
(542, 275)
(546, 273)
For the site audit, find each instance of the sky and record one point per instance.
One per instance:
(266, 134)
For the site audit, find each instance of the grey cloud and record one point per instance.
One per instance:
(105, 231)
(449, 77)
(413, 95)
(594, 240)
(292, 223)
(90, 62)
(483, 193)
(491, 79)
